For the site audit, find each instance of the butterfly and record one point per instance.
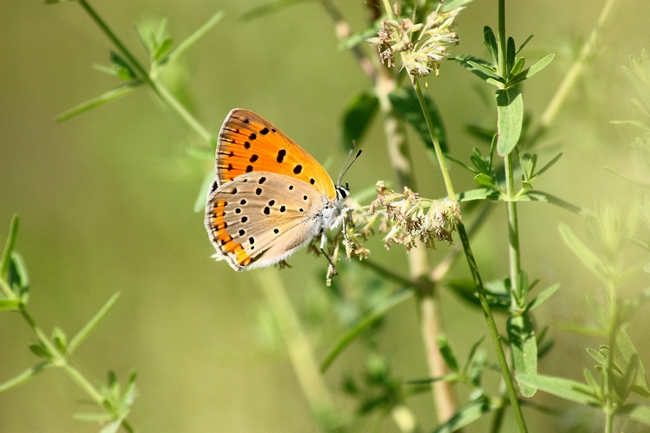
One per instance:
(270, 197)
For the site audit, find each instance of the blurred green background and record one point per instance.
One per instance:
(106, 201)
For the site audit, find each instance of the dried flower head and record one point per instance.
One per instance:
(404, 218)
(424, 54)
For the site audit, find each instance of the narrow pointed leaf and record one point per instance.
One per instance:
(521, 47)
(640, 183)
(147, 37)
(467, 414)
(586, 256)
(469, 62)
(510, 53)
(510, 117)
(113, 427)
(90, 326)
(542, 297)
(549, 164)
(163, 48)
(25, 376)
(269, 8)
(101, 417)
(10, 243)
(447, 353)
(10, 304)
(627, 350)
(484, 179)
(100, 100)
(406, 104)
(357, 117)
(518, 67)
(38, 350)
(563, 388)
(524, 349)
(363, 324)
(638, 412)
(194, 37)
(539, 65)
(488, 71)
(478, 194)
(202, 197)
(537, 195)
(490, 42)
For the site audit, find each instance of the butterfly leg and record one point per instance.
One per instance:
(323, 241)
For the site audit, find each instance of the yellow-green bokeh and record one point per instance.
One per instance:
(106, 201)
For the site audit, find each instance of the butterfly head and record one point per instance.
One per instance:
(342, 192)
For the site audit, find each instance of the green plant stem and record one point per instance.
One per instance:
(419, 270)
(492, 327)
(155, 85)
(342, 30)
(298, 347)
(436, 144)
(513, 235)
(60, 360)
(502, 39)
(571, 77)
(494, 333)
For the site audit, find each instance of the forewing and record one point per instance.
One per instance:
(249, 143)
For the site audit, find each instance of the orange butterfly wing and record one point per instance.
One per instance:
(248, 142)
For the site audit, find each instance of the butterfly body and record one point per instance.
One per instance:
(270, 197)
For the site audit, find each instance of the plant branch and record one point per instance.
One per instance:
(298, 347)
(513, 236)
(571, 78)
(342, 31)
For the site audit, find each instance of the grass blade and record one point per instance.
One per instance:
(90, 326)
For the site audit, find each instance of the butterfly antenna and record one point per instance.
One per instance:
(347, 166)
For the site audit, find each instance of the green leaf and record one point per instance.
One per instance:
(485, 180)
(510, 117)
(406, 104)
(490, 42)
(510, 53)
(586, 256)
(478, 194)
(194, 37)
(357, 117)
(360, 37)
(624, 385)
(269, 8)
(542, 297)
(470, 62)
(447, 353)
(122, 69)
(524, 349)
(90, 326)
(627, 351)
(488, 71)
(467, 291)
(548, 165)
(467, 414)
(100, 100)
(25, 376)
(563, 388)
(453, 4)
(60, 339)
(10, 304)
(10, 243)
(363, 324)
(640, 183)
(637, 412)
(537, 195)
(113, 427)
(147, 37)
(163, 48)
(201, 198)
(539, 65)
(40, 351)
(521, 47)
(518, 66)
(101, 417)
